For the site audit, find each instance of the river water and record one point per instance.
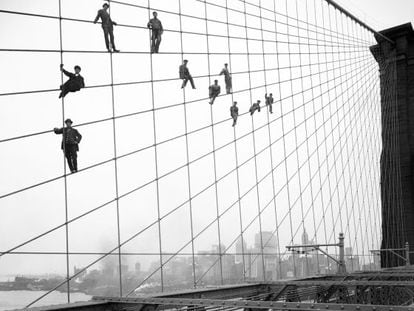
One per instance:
(19, 299)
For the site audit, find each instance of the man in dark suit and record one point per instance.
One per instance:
(155, 25)
(214, 91)
(107, 26)
(227, 78)
(75, 82)
(70, 144)
(269, 101)
(234, 112)
(254, 107)
(185, 75)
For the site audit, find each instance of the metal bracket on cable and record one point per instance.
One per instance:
(340, 244)
(394, 251)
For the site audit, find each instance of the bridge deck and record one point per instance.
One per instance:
(388, 289)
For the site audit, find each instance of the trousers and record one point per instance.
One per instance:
(68, 86)
(186, 79)
(229, 86)
(234, 116)
(71, 155)
(109, 36)
(213, 97)
(155, 40)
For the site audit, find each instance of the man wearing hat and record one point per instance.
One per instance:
(185, 74)
(70, 144)
(234, 112)
(254, 107)
(214, 91)
(107, 26)
(227, 78)
(75, 82)
(269, 101)
(156, 27)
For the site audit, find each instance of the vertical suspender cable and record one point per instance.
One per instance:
(254, 147)
(356, 169)
(318, 74)
(301, 53)
(269, 137)
(236, 156)
(156, 163)
(343, 92)
(325, 135)
(271, 147)
(302, 223)
(187, 158)
(315, 236)
(214, 152)
(336, 53)
(351, 173)
(116, 172)
(286, 165)
(64, 160)
(375, 183)
(363, 168)
(323, 102)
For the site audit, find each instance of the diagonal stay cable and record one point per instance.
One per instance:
(149, 81)
(106, 161)
(320, 189)
(148, 183)
(114, 249)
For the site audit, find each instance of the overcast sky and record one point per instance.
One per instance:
(381, 14)
(324, 129)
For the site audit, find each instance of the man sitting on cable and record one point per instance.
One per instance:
(75, 82)
(254, 107)
(234, 112)
(214, 91)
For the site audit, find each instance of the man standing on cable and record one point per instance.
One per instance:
(227, 78)
(234, 112)
(214, 91)
(185, 75)
(155, 25)
(75, 82)
(269, 101)
(254, 107)
(70, 144)
(107, 26)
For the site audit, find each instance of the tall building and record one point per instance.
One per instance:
(305, 237)
(241, 250)
(270, 255)
(305, 240)
(351, 261)
(268, 239)
(137, 267)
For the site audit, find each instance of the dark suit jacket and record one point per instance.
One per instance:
(214, 90)
(269, 100)
(234, 111)
(105, 18)
(75, 82)
(70, 136)
(155, 24)
(184, 72)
